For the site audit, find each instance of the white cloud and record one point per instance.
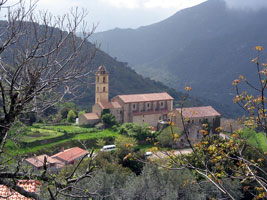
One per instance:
(148, 4)
(130, 4)
(246, 4)
(117, 13)
(173, 4)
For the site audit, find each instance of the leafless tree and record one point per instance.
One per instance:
(42, 61)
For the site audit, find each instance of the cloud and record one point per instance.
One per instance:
(150, 4)
(117, 13)
(246, 4)
(130, 4)
(175, 4)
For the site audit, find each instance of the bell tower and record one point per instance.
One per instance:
(101, 85)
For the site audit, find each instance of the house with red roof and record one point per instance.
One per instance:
(28, 185)
(38, 163)
(69, 156)
(55, 162)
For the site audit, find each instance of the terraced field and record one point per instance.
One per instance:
(48, 139)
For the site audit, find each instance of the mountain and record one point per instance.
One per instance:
(123, 80)
(206, 47)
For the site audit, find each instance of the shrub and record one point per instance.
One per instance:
(71, 116)
(80, 113)
(141, 133)
(108, 120)
(165, 138)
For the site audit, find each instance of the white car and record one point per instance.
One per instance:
(108, 147)
(148, 153)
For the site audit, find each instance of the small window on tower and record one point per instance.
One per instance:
(97, 89)
(97, 79)
(104, 79)
(104, 89)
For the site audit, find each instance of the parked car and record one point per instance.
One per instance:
(148, 153)
(108, 147)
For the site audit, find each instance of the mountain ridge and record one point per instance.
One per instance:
(206, 47)
(123, 79)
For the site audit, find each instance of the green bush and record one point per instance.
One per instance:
(80, 113)
(165, 138)
(71, 116)
(108, 120)
(141, 133)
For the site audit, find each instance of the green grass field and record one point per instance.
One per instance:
(41, 138)
(34, 134)
(42, 133)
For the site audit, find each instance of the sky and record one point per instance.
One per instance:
(109, 14)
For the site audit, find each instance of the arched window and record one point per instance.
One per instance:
(97, 89)
(104, 79)
(97, 79)
(104, 89)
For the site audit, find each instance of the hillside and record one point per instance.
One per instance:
(123, 80)
(206, 46)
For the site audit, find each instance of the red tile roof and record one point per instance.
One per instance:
(91, 116)
(69, 155)
(28, 185)
(132, 98)
(38, 161)
(109, 105)
(205, 111)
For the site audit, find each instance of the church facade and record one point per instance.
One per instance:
(136, 108)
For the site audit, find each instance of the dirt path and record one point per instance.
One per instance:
(164, 154)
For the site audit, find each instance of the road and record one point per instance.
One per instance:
(162, 154)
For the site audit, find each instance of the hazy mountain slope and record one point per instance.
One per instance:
(123, 80)
(206, 46)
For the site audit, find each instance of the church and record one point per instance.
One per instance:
(137, 108)
(151, 109)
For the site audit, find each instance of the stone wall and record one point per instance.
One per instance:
(152, 119)
(117, 113)
(84, 121)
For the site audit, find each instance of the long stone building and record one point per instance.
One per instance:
(136, 108)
